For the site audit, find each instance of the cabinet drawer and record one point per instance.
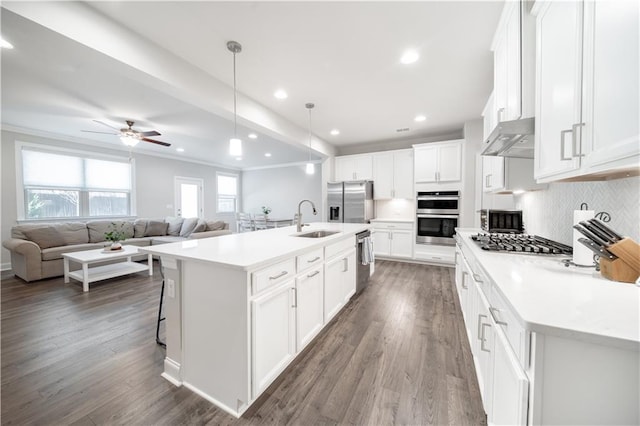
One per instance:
(393, 225)
(272, 275)
(508, 322)
(336, 248)
(310, 259)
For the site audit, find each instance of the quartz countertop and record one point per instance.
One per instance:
(252, 250)
(395, 219)
(568, 301)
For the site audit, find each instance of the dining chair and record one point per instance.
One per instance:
(243, 221)
(259, 221)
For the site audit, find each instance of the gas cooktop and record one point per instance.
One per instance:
(520, 243)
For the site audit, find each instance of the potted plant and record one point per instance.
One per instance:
(266, 210)
(115, 235)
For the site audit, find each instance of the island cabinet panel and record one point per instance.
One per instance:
(273, 324)
(309, 302)
(340, 282)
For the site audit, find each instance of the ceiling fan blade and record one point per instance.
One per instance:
(149, 133)
(104, 133)
(156, 142)
(105, 124)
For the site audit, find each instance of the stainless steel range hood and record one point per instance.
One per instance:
(511, 139)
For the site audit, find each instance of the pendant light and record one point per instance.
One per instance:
(310, 168)
(235, 144)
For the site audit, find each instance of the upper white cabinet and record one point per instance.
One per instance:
(587, 90)
(507, 64)
(489, 117)
(393, 174)
(500, 174)
(438, 162)
(354, 167)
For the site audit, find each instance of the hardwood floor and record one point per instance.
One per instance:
(397, 354)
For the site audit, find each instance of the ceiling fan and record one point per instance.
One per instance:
(129, 136)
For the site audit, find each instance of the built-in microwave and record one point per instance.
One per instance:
(438, 202)
(437, 214)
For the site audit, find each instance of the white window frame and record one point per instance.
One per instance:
(237, 198)
(21, 213)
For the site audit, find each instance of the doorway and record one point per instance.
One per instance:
(188, 200)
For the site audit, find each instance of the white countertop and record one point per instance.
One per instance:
(568, 301)
(381, 219)
(252, 250)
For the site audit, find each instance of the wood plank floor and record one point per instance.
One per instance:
(397, 354)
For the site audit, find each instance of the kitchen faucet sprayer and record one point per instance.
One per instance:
(299, 223)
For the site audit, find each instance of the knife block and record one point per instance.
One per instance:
(626, 268)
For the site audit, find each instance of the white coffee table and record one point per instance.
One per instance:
(91, 273)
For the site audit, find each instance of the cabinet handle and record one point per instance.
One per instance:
(314, 259)
(499, 114)
(562, 144)
(455, 258)
(281, 274)
(486, 181)
(295, 297)
(464, 286)
(574, 148)
(480, 316)
(483, 340)
(490, 179)
(313, 274)
(493, 314)
(477, 278)
(346, 264)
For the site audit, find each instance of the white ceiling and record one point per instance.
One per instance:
(343, 56)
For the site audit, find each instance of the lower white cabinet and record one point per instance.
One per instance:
(309, 306)
(340, 282)
(274, 328)
(393, 239)
(510, 385)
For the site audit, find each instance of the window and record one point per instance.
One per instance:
(70, 184)
(227, 193)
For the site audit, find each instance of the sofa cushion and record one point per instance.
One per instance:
(216, 225)
(54, 253)
(139, 226)
(188, 226)
(175, 224)
(166, 239)
(56, 234)
(156, 228)
(97, 229)
(200, 226)
(138, 242)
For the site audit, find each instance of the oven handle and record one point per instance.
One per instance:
(438, 216)
(424, 198)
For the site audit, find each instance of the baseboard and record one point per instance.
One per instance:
(5, 267)
(172, 372)
(215, 402)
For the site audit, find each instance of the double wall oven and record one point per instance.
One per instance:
(437, 214)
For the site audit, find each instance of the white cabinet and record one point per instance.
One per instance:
(340, 282)
(393, 239)
(505, 175)
(273, 325)
(489, 117)
(507, 64)
(493, 173)
(393, 175)
(354, 167)
(587, 90)
(438, 162)
(309, 295)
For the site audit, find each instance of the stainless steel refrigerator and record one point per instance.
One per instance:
(350, 202)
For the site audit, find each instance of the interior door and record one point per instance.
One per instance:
(188, 197)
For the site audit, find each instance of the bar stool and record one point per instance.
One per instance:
(160, 317)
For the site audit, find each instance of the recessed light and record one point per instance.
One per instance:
(253, 136)
(409, 57)
(5, 44)
(267, 154)
(335, 132)
(280, 94)
(238, 158)
(420, 118)
(180, 149)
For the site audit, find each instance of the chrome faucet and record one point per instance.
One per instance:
(299, 223)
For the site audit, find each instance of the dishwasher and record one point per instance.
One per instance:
(364, 268)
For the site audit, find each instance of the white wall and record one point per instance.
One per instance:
(282, 189)
(154, 181)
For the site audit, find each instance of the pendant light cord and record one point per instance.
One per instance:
(309, 134)
(235, 100)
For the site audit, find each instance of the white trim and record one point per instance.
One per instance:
(197, 181)
(92, 144)
(5, 266)
(214, 401)
(277, 166)
(172, 372)
(234, 175)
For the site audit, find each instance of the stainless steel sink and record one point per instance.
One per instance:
(317, 234)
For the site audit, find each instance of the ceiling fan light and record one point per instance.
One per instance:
(310, 168)
(235, 147)
(129, 140)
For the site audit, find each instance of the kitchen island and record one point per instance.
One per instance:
(551, 344)
(239, 308)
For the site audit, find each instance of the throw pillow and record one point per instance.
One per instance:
(156, 228)
(187, 226)
(216, 225)
(45, 236)
(175, 224)
(139, 226)
(200, 226)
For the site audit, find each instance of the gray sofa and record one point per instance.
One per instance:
(37, 248)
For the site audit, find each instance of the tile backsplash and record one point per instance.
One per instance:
(549, 213)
